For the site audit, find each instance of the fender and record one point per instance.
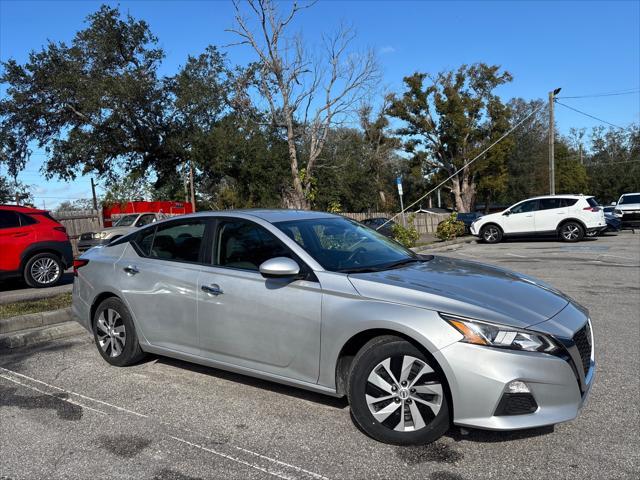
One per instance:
(62, 249)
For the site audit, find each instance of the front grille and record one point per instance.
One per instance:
(582, 339)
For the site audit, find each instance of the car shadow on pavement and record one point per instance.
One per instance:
(338, 403)
(17, 284)
(492, 436)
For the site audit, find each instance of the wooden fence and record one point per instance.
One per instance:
(79, 222)
(424, 222)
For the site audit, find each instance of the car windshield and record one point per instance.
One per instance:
(343, 245)
(626, 199)
(126, 221)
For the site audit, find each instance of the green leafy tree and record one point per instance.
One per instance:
(448, 119)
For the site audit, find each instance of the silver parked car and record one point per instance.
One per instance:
(318, 301)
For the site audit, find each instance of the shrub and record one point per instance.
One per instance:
(407, 236)
(450, 228)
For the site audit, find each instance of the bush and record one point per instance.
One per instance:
(407, 236)
(450, 228)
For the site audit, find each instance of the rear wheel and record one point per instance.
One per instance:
(115, 335)
(571, 232)
(491, 234)
(396, 395)
(43, 270)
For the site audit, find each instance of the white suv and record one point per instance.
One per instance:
(568, 216)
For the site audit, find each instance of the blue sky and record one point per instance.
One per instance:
(587, 47)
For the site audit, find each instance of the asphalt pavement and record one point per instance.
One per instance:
(65, 413)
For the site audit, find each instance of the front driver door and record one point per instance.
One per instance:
(521, 218)
(268, 325)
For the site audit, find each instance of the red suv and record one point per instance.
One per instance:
(32, 245)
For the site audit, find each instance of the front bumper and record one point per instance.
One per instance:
(478, 377)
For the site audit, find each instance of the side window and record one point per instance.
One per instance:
(245, 245)
(26, 220)
(568, 202)
(524, 207)
(145, 220)
(177, 241)
(550, 203)
(9, 219)
(144, 240)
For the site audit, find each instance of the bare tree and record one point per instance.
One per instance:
(306, 95)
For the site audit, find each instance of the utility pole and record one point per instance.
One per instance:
(581, 158)
(193, 193)
(552, 166)
(93, 192)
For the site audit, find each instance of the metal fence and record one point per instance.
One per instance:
(79, 222)
(424, 222)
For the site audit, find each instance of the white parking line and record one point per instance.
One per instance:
(53, 396)
(275, 473)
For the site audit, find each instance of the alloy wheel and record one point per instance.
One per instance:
(403, 393)
(45, 270)
(111, 332)
(491, 234)
(570, 231)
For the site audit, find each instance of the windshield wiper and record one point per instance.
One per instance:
(380, 268)
(401, 262)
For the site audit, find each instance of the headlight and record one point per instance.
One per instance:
(101, 235)
(500, 336)
(617, 212)
(477, 219)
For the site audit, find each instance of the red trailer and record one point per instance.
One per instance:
(111, 213)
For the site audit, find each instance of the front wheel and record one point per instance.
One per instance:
(571, 232)
(491, 234)
(115, 335)
(396, 395)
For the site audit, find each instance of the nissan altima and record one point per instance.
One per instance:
(317, 301)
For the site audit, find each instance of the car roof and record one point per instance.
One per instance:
(269, 215)
(22, 209)
(568, 195)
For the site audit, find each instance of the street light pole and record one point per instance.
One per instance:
(552, 166)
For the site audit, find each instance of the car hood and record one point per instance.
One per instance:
(465, 288)
(628, 206)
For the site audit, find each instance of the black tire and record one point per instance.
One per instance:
(43, 270)
(429, 422)
(571, 232)
(491, 234)
(107, 331)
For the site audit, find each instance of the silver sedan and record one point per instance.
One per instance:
(320, 302)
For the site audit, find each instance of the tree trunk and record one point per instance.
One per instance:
(464, 193)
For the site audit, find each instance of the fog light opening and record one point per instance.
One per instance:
(517, 386)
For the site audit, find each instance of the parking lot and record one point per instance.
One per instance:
(65, 413)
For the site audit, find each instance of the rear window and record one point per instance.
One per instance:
(592, 202)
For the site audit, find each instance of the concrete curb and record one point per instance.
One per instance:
(32, 336)
(34, 293)
(34, 320)
(441, 245)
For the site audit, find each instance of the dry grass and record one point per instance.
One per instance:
(56, 302)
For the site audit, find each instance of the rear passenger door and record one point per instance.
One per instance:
(158, 275)
(16, 233)
(550, 213)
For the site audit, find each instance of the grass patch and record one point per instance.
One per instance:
(56, 302)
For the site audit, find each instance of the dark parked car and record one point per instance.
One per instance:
(467, 219)
(614, 224)
(381, 224)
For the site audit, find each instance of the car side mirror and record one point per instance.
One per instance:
(613, 204)
(507, 213)
(279, 267)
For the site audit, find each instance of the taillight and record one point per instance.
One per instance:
(592, 209)
(77, 263)
(60, 229)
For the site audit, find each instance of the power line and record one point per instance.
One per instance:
(610, 94)
(589, 115)
(605, 164)
(533, 112)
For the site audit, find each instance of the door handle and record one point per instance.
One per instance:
(212, 289)
(131, 269)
